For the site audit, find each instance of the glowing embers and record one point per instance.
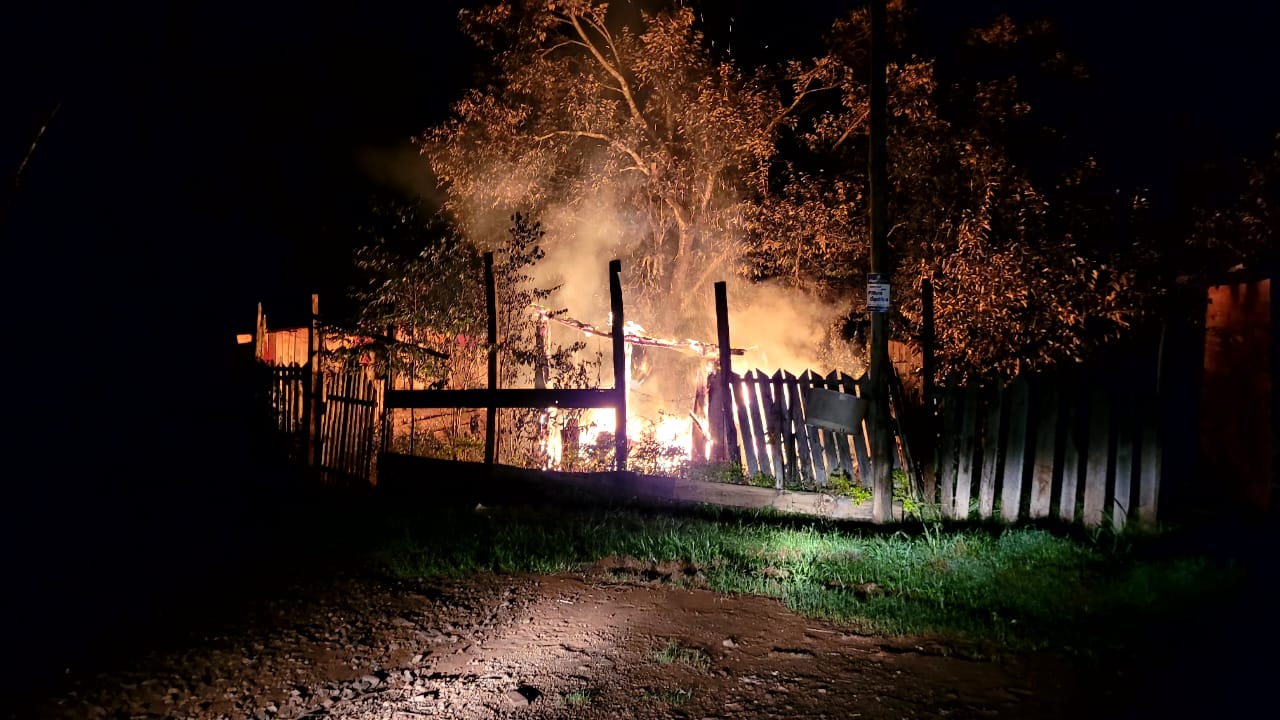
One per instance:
(585, 441)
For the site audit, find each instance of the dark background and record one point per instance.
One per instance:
(207, 156)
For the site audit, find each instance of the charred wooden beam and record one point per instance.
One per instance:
(502, 398)
(696, 347)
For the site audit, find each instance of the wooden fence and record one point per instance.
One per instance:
(349, 416)
(1050, 447)
(286, 390)
(773, 436)
(338, 434)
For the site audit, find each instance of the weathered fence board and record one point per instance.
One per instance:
(1073, 452)
(991, 454)
(1149, 470)
(858, 440)
(1125, 441)
(813, 436)
(751, 395)
(1042, 463)
(835, 443)
(1016, 454)
(748, 447)
(804, 456)
(968, 446)
(950, 452)
(773, 428)
(1073, 449)
(1095, 472)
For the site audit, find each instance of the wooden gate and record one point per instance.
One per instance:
(283, 399)
(349, 417)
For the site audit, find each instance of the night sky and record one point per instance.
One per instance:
(205, 156)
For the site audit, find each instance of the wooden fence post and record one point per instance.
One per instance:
(388, 384)
(729, 441)
(619, 364)
(316, 391)
(259, 335)
(491, 310)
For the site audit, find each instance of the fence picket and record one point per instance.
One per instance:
(968, 447)
(859, 437)
(950, 449)
(812, 436)
(1042, 462)
(1015, 457)
(795, 413)
(1127, 430)
(773, 427)
(751, 389)
(1095, 483)
(1149, 473)
(744, 425)
(991, 457)
(1073, 452)
(844, 460)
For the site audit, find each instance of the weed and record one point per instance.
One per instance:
(722, 472)
(674, 652)
(577, 698)
(673, 698)
(840, 482)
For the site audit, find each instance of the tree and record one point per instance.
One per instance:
(631, 139)
(627, 137)
(1241, 227)
(1030, 255)
(426, 286)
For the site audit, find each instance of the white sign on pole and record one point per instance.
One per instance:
(877, 292)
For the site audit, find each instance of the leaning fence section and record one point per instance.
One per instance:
(771, 434)
(1049, 447)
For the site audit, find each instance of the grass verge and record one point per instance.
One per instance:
(998, 588)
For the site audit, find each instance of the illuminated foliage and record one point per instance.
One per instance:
(588, 112)
(1028, 252)
(628, 133)
(1242, 229)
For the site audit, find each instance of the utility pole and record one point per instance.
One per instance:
(878, 280)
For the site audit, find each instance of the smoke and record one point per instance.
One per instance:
(784, 328)
(400, 167)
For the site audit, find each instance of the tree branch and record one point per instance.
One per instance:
(610, 69)
(635, 156)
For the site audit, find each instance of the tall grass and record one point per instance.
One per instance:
(1000, 588)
